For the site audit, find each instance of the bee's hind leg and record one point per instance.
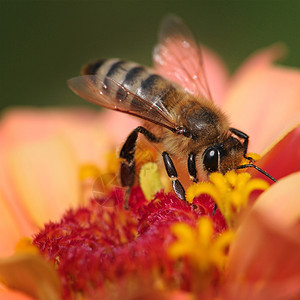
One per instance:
(172, 173)
(128, 168)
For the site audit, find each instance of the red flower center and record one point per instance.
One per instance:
(97, 249)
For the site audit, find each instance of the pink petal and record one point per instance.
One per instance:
(81, 127)
(118, 125)
(264, 103)
(264, 260)
(261, 59)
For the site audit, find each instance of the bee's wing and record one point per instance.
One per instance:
(112, 95)
(178, 58)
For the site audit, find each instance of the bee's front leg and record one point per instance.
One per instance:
(172, 173)
(245, 137)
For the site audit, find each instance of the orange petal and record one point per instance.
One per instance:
(32, 275)
(264, 103)
(13, 295)
(9, 201)
(179, 295)
(45, 175)
(10, 230)
(264, 260)
(21, 127)
(118, 125)
(29, 124)
(28, 131)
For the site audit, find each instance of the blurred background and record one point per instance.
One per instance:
(43, 43)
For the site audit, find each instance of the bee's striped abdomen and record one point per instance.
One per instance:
(91, 69)
(139, 80)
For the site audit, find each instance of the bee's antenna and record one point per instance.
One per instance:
(258, 169)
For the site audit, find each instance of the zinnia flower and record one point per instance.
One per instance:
(161, 247)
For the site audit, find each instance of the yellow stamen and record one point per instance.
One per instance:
(203, 250)
(198, 189)
(230, 192)
(88, 171)
(150, 180)
(97, 182)
(91, 171)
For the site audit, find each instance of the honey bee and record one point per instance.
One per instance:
(179, 111)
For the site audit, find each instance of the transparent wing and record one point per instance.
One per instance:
(112, 95)
(178, 58)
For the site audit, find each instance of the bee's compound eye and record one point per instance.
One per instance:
(211, 159)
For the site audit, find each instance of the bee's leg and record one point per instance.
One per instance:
(172, 173)
(215, 209)
(193, 173)
(192, 167)
(127, 171)
(244, 136)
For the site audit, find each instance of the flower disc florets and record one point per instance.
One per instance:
(105, 251)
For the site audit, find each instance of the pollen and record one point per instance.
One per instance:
(150, 180)
(204, 250)
(230, 192)
(144, 155)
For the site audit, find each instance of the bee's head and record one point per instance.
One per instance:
(224, 156)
